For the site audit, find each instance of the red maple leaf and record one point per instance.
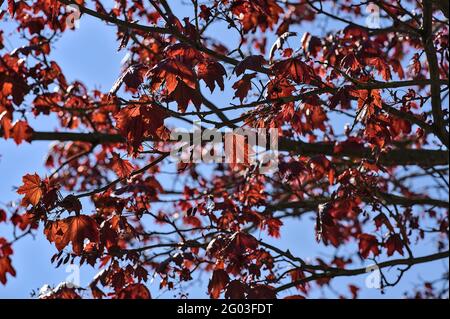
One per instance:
(235, 290)
(381, 66)
(394, 243)
(74, 229)
(217, 283)
(243, 86)
(294, 69)
(211, 72)
(6, 267)
(31, 188)
(171, 71)
(368, 243)
(134, 291)
(252, 62)
(123, 168)
(21, 131)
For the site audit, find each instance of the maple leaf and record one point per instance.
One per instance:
(217, 283)
(240, 242)
(138, 121)
(31, 188)
(235, 290)
(21, 131)
(394, 243)
(350, 63)
(279, 87)
(294, 69)
(183, 52)
(5, 261)
(382, 67)
(172, 72)
(184, 94)
(355, 32)
(71, 203)
(252, 62)
(134, 291)
(211, 72)
(22, 220)
(298, 275)
(274, 224)
(381, 219)
(253, 14)
(123, 168)
(243, 86)
(6, 267)
(79, 228)
(54, 231)
(368, 243)
(73, 229)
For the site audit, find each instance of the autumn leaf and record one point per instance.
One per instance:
(184, 94)
(350, 63)
(184, 53)
(241, 241)
(297, 275)
(78, 229)
(73, 229)
(273, 225)
(235, 290)
(5, 261)
(71, 203)
(368, 243)
(21, 131)
(138, 121)
(172, 72)
(381, 66)
(123, 168)
(217, 283)
(134, 291)
(31, 188)
(243, 86)
(382, 219)
(294, 69)
(251, 62)
(54, 231)
(211, 72)
(354, 291)
(5, 268)
(394, 243)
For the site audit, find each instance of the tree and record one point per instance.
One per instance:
(377, 189)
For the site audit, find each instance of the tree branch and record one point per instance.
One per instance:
(336, 272)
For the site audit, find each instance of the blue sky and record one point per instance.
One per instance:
(89, 54)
